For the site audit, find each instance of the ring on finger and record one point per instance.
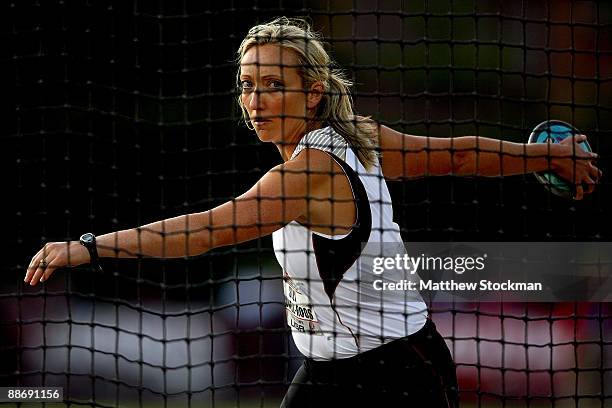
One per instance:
(42, 263)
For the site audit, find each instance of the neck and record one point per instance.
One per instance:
(287, 147)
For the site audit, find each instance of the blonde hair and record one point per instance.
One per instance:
(315, 65)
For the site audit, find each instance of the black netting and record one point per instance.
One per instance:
(119, 113)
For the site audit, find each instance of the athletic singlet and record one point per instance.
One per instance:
(332, 304)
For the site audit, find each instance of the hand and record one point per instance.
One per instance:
(577, 166)
(52, 256)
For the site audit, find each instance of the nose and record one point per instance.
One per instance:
(255, 101)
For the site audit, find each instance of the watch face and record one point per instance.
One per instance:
(87, 238)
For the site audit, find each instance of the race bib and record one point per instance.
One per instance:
(300, 314)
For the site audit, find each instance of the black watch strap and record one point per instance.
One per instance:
(88, 240)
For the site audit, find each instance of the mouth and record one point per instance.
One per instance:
(260, 121)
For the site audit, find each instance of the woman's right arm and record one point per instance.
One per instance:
(279, 197)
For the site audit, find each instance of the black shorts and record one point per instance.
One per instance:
(415, 371)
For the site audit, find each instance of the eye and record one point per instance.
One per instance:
(276, 84)
(246, 86)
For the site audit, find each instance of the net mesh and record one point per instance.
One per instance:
(121, 113)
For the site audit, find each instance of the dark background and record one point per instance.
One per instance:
(119, 113)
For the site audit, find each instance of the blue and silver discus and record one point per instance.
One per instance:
(555, 131)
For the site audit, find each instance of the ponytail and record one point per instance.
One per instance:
(337, 109)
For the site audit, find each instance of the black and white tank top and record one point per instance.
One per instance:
(332, 304)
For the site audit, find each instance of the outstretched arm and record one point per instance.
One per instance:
(409, 156)
(279, 197)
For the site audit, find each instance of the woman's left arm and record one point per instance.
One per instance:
(409, 156)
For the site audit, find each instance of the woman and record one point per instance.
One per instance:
(324, 202)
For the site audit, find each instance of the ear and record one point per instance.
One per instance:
(315, 94)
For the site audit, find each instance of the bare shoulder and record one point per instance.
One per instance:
(313, 161)
(331, 209)
(320, 171)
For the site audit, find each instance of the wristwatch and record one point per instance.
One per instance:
(88, 240)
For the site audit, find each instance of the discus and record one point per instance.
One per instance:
(555, 131)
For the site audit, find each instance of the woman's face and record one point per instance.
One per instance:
(273, 93)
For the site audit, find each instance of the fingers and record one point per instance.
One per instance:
(35, 264)
(47, 273)
(40, 268)
(39, 271)
(594, 172)
(579, 193)
(589, 185)
(593, 155)
(579, 138)
(587, 176)
(30, 270)
(33, 272)
(591, 179)
(574, 139)
(42, 264)
(588, 182)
